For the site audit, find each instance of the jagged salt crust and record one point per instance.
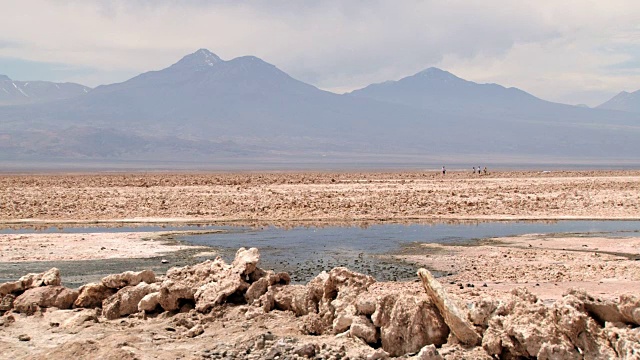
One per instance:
(341, 303)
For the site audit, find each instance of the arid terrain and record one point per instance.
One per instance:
(320, 196)
(519, 295)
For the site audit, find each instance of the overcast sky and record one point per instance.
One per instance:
(571, 51)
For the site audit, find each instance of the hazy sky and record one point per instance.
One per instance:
(573, 51)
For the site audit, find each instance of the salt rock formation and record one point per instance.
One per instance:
(294, 298)
(213, 282)
(340, 291)
(6, 303)
(299, 299)
(215, 293)
(128, 278)
(232, 280)
(630, 308)
(428, 352)
(330, 297)
(126, 300)
(522, 326)
(345, 303)
(408, 323)
(263, 282)
(11, 287)
(340, 301)
(149, 302)
(44, 297)
(481, 310)
(92, 295)
(453, 316)
(50, 277)
(363, 328)
(625, 341)
(626, 310)
(172, 293)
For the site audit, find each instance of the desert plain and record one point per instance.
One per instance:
(536, 295)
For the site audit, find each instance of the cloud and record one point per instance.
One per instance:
(589, 62)
(551, 48)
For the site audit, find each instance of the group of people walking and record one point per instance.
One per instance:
(478, 170)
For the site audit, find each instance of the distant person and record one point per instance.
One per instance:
(485, 170)
(474, 169)
(444, 171)
(478, 170)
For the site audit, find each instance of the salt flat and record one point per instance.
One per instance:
(513, 287)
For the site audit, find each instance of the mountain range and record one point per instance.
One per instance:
(30, 92)
(208, 110)
(624, 101)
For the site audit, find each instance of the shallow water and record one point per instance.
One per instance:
(305, 251)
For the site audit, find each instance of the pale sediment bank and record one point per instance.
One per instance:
(89, 246)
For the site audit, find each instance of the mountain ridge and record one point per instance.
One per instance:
(14, 92)
(623, 101)
(434, 87)
(203, 108)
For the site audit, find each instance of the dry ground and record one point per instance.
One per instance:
(84, 246)
(320, 196)
(549, 265)
(546, 265)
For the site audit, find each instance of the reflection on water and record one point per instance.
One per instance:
(306, 250)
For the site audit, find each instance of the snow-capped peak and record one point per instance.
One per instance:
(200, 58)
(208, 57)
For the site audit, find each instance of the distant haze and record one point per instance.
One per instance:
(206, 110)
(624, 102)
(30, 92)
(571, 51)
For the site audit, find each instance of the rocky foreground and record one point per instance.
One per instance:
(215, 310)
